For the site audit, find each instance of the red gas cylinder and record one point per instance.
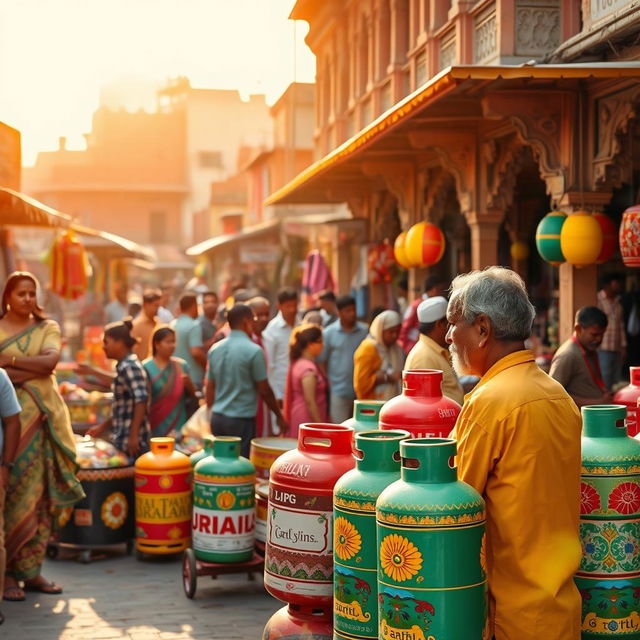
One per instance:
(298, 566)
(629, 396)
(296, 622)
(421, 409)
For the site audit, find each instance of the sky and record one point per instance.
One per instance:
(56, 55)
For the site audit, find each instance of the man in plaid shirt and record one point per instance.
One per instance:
(614, 342)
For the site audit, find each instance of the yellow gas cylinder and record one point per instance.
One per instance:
(163, 499)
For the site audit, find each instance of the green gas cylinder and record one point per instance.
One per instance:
(431, 583)
(355, 597)
(365, 415)
(609, 574)
(224, 504)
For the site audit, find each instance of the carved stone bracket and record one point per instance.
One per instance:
(400, 180)
(456, 150)
(612, 162)
(509, 157)
(537, 120)
(437, 185)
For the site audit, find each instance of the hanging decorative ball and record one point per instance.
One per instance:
(400, 251)
(581, 239)
(519, 251)
(425, 244)
(548, 237)
(609, 237)
(630, 236)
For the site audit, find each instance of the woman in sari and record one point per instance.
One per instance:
(170, 384)
(43, 478)
(305, 398)
(377, 362)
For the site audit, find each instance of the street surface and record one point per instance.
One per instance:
(119, 597)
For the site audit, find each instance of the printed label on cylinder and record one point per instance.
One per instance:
(299, 556)
(223, 517)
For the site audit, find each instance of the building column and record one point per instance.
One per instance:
(484, 238)
(578, 285)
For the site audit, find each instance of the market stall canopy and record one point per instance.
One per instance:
(115, 245)
(18, 209)
(452, 98)
(254, 231)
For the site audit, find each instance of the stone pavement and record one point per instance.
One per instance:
(118, 597)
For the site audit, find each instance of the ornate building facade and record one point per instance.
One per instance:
(479, 117)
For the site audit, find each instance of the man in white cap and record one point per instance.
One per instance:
(431, 351)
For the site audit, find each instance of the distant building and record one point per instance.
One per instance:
(144, 174)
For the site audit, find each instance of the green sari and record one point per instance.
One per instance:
(43, 480)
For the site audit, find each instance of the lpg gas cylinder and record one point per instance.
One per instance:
(629, 396)
(609, 574)
(431, 583)
(298, 564)
(365, 415)
(224, 504)
(355, 595)
(421, 408)
(163, 499)
(297, 622)
(206, 450)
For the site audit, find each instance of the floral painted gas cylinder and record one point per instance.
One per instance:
(355, 595)
(629, 396)
(421, 408)
(365, 415)
(163, 499)
(609, 574)
(431, 582)
(297, 622)
(224, 504)
(298, 566)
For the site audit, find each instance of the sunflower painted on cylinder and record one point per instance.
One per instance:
(355, 595)
(548, 237)
(425, 244)
(431, 582)
(609, 574)
(163, 499)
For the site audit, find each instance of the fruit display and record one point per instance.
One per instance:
(94, 453)
(86, 407)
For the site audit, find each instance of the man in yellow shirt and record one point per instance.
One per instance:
(519, 445)
(431, 351)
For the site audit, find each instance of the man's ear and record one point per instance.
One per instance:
(483, 328)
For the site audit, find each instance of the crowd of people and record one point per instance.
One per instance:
(518, 433)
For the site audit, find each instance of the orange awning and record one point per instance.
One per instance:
(460, 85)
(18, 209)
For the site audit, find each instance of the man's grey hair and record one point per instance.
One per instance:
(258, 301)
(498, 293)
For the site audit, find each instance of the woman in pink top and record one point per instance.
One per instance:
(306, 392)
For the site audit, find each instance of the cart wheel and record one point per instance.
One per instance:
(85, 556)
(189, 573)
(52, 551)
(129, 547)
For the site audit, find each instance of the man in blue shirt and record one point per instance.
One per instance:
(341, 339)
(9, 439)
(189, 343)
(237, 374)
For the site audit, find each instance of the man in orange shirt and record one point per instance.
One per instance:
(519, 445)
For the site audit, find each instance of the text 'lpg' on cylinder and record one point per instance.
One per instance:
(298, 566)
(431, 582)
(421, 409)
